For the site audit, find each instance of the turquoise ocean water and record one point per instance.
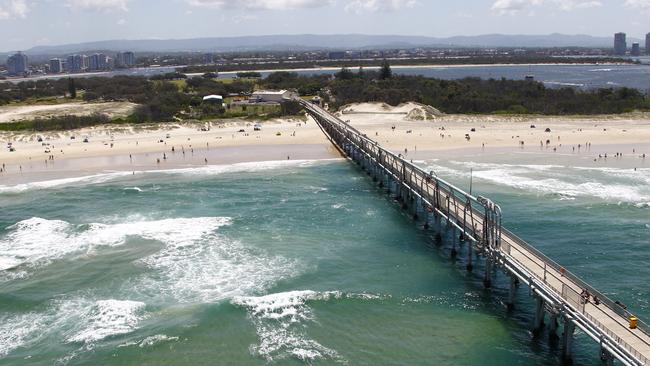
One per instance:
(293, 263)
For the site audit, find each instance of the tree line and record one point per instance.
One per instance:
(169, 98)
(464, 96)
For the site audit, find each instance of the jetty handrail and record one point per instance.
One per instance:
(441, 195)
(479, 206)
(415, 168)
(452, 189)
(583, 285)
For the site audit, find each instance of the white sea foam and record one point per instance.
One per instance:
(195, 264)
(533, 167)
(133, 189)
(56, 183)
(156, 339)
(238, 167)
(617, 185)
(35, 242)
(106, 318)
(8, 263)
(18, 330)
(641, 175)
(200, 171)
(279, 321)
(610, 192)
(211, 268)
(77, 320)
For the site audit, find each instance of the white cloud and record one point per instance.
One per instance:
(237, 19)
(102, 5)
(13, 9)
(260, 4)
(379, 5)
(639, 4)
(509, 7)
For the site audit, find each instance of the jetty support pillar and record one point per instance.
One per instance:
(470, 267)
(512, 293)
(538, 323)
(487, 280)
(567, 340)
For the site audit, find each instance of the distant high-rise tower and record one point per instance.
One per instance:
(620, 44)
(98, 61)
(56, 66)
(17, 64)
(119, 60)
(647, 44)
(636, 49)
(129, 59)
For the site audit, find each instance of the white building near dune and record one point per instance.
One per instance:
(217, 99)
(271, 96)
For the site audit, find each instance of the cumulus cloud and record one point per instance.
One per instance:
(99, 4)
(13, 9)
(515, 6)
(259, 4)
(379, 5)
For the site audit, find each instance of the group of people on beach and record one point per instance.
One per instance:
(173, 150)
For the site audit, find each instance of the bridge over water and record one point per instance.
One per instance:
(476, 223)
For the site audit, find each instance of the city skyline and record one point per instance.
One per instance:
(50, 23)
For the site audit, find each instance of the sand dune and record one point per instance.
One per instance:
(28, 112)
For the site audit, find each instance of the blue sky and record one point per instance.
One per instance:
(26, 23)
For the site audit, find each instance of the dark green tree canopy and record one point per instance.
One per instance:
(385, 71)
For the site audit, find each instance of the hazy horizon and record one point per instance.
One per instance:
(49, 23)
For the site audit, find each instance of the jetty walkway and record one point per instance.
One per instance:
(475, 222)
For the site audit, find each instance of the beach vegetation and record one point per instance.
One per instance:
(249, 75)
(464, 96)
(72, 89)
(385, 72)
(170, 76)
(57, 123)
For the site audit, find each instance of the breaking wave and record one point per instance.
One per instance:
(195, 171)
(567, 183)
(280, 321)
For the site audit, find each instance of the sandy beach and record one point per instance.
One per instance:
(415, 131)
